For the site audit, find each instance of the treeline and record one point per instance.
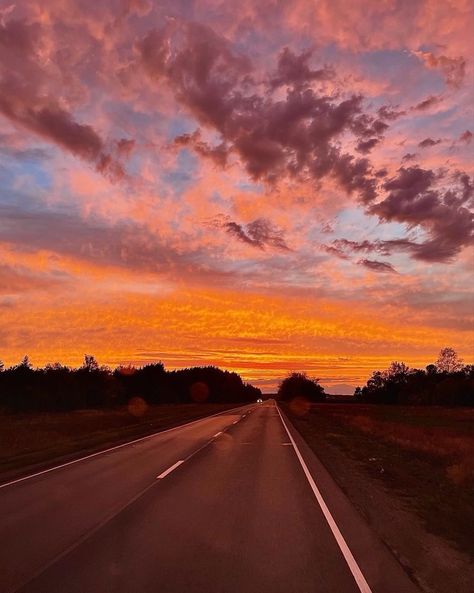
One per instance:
(448, 382)
(56, 387)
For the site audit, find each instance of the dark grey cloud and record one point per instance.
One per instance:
(296, 136)
(365, 146)
(390, 112)
(218, 154)
(335, 250)
(377, 266)
(415, 200)
(28, 98)
(293, 69)
(428, 142)
(258, 233)
(428, 103)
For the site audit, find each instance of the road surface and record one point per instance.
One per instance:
(234, 503)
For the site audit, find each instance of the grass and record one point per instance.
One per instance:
(422, 455)
(35, 440)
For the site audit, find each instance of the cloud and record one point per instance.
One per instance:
(57, 125)
(365, 146)
(19, 279)
(258, 233)
(390, 112)
(466, 137)
(428, 142)
(357, 246)
(291, 137)
(428, 103)
(293, 69)
(453, 69)
(218, 154)
(124, 245)
(335, 250)
(377, 266)
(415, 200)
(125, 146)
(12, 147)
(28, 97)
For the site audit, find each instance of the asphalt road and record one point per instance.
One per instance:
(233, 503)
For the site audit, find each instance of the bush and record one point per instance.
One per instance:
(300, 385)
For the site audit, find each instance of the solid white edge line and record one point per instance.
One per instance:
(351, 561)
(170, 469)
(102, 451)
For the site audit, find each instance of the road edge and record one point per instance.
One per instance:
(382, 569)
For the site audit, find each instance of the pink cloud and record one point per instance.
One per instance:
(294, 151)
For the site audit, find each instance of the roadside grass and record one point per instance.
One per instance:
(33, 440)
(422, 455)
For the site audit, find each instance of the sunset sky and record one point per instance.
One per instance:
(262, 185)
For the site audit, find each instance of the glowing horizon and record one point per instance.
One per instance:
(256, 186)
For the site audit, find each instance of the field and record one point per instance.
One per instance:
(410, 471)
(33, 440)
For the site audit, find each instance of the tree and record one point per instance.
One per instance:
(397, 370)
(376, 381)
(300, 385)
(90, 363)
(448, 361)
(25, 363)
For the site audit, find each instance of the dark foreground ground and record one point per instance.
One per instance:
(31, 441)
(219, 506)
(409, 471)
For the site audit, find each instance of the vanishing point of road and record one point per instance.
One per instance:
(232, 503)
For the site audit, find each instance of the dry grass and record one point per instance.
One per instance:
(423, 456)
(446, 435)
(28, 440)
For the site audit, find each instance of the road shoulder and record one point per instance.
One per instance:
(380, 567)
(429, 560)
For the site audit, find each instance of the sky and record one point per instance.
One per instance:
(266, 186)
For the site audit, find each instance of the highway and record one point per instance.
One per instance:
(233, 503)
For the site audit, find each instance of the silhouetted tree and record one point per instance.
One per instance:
(397, 370)
(448, 361)
(25, 363)
(300, 385)
(90, 363)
